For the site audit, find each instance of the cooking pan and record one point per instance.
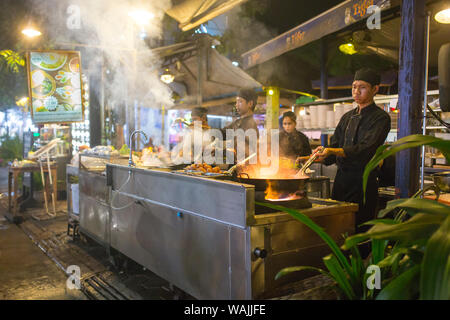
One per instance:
(284, 186)
(442, 180)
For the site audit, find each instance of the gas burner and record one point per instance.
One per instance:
(298, 201)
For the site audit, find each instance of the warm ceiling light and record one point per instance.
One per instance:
(141, 17)
(22, 101)
(31, 33)
(348, 48)
(167, 77)
(443, 16)
(270, 92)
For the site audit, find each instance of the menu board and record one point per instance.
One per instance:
(55, 86)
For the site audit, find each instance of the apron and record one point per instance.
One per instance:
(348, 182)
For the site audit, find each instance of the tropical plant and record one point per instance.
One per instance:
(412, 250)
(11, 60)
(10, 149)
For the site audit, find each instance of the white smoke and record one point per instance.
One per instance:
(105, 25)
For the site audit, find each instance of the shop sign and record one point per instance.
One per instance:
(330, 21)
(55, 86)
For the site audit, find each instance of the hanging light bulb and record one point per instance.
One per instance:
(167, 77)
(141, 17)
(348, 48)
(443, 16)
(31, 32)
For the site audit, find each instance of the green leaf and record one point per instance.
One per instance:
(435, 279)
(288, 270)
(418, 227)
(378, 247)
(339, 275)
(320, 232)
(356, 262)
(392, 258)
(411, 141)
(417, 205)
(381, 221)
(401, 287)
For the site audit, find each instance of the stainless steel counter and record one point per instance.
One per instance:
(202, 234)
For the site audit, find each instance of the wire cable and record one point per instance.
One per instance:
(434, 114)
(114, 195)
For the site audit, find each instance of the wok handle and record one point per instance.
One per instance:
(242, 173)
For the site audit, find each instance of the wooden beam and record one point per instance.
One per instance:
(323, 69)
(410, 82)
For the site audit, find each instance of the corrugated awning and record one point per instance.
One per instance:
(192, 13)
(221, 82)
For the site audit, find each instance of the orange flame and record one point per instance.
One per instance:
(273, 195)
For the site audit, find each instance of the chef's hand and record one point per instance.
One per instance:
(322, 154)
(301, 160)
(326, 152)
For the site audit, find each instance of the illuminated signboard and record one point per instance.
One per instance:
(55, 86)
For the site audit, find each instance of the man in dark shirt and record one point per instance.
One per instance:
(246, 100)
(356, 138)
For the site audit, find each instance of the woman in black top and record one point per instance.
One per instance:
(293, 143)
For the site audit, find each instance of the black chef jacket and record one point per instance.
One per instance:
(359, 136)
(243, 123)
(293, 145)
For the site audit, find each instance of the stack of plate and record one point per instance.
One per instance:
(307, 121)
(300, 123)
(330, 119)
(339, 112)
(314, 113)
(322, 115)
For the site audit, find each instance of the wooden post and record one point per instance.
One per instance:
(272, 107)
(202, 58)
(410, 93)
(323, 69)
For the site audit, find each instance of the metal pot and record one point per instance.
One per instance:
(442, 180)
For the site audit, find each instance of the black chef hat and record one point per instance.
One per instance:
(248, 95)
(368, 75)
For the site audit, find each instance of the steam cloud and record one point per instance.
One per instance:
(105, 28)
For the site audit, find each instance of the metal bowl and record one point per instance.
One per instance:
(442, 180)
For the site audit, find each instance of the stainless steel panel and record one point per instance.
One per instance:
(93, 185)
(302, 257)
(240, 258)
(187, 250)
(94, 217)
(293, 234)
(200, 234)
(224, 201)
(258, 268)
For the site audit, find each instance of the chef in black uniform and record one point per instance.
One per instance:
(246, 100)
(356, 138)
(293, 143)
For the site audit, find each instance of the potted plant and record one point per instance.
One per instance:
(411, 250)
